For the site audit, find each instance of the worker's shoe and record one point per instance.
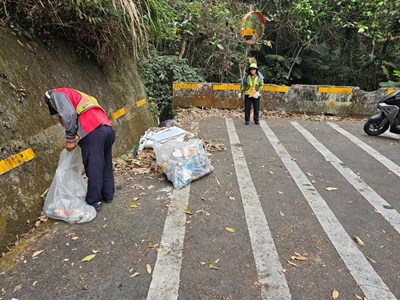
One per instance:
(246, 122)
(108, 201)
(97, 206)
(257, 122)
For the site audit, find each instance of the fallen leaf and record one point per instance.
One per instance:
(279, 192)
(335, 294)
(85, 287)
(284, 270)
(282, 214)
(188, 222)
(135, 199)
(36, 253)
(88, 258)
(291, 263)
(213, 266)
(188, 212)
(104, 226)
(17, 288)
(358, 297)
(148, 268)
(331, 188)
(229, 229)
(134, 205)
(358, 240)
(309, 174)
(135, 274)
(203, 263)
(95, 251)
(74, 238)
(270, 172)
(300, 258)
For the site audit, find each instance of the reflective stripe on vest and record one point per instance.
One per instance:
(87, 102)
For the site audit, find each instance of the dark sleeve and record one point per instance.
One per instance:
(67, 113)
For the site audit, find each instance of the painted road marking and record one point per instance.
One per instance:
(269, 269)
(16, 160)
(275, 88)
(119, 113)
(335, 90)
(167, 270)
(226, 87)
(371, 151)
(359, 267)
(391, 215)
(187, 86)
(141, 103)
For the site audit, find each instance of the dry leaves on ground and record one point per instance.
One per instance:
(186, 116)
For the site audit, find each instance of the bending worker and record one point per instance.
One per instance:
(82, 116)
(252, 85)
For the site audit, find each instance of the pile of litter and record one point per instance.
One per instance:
(173, 151)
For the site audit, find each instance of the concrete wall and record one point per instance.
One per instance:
(309, 99)
(26, 71)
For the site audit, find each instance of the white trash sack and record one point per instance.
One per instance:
(65, 199)
(182, 162)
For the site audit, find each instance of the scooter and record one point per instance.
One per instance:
(389, 116)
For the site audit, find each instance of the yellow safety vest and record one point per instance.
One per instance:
(252, 83)
(86, 102)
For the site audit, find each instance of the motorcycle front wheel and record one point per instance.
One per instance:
(376, 127)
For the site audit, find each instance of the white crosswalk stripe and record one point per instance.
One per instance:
(166, 274)
(391, 215)
(269, 268)
(361, 270)
(165, 283)
(375, 154)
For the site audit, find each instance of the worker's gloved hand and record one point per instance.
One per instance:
(256, 95)
(240, 95)
(70, 146)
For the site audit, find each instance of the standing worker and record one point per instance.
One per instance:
(82, 116)
(252, 85)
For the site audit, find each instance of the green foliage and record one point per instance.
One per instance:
(205, 32)
(94, 27)
(158, 73)
(343, 42)
(390, 83)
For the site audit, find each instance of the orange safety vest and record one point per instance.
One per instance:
(86, 102)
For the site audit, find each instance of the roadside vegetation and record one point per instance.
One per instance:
(341, 42)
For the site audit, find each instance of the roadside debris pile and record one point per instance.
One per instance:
(186, 116)
(173, 151)
(182, 162)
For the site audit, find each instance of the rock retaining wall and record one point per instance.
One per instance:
(31, 140)
(309, 99)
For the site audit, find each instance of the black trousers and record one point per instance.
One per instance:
(248, 101)
(97, 160)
